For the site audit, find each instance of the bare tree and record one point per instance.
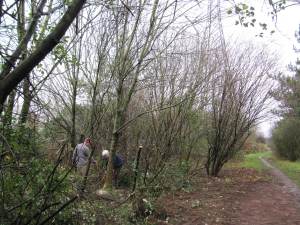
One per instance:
(240, 93)
(135, 38)
(11, 76)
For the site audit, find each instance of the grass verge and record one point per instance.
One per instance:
(251, 161)
(291, 169)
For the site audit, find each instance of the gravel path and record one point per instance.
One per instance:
(283, 180)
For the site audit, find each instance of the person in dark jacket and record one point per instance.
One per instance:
(117, 165)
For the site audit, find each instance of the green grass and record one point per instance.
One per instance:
(291, 169)
(251, 161)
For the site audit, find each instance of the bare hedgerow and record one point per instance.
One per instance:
(240, 93)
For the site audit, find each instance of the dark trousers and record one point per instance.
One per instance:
(116, 173)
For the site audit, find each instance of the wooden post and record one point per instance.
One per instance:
(137, 160)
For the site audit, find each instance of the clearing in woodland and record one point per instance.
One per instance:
(239, 196)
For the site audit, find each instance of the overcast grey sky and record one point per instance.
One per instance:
(281, 42)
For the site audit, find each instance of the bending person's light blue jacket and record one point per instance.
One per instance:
(81, 155)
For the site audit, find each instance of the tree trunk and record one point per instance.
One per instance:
(11, 80)
(123, 142)
(113, 149)
(213, 164)
(8, 115)
(26, 103)
(118, 121)
(26, 82)
(25, 36)
(73, 126)
(7, 118)
(1, 13)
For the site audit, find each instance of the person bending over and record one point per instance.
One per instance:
(117, 165)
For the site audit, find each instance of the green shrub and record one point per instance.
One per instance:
(173, 178)
(33, 191)
(286, 139)
(32, 187)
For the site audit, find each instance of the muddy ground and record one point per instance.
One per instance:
(237, 197)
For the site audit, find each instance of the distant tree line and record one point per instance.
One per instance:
(285, 135)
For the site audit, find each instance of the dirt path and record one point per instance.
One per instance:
(238, 197)
(272, 203)
(286, 183)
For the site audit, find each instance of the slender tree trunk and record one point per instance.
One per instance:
(8, 115)
(21, 31)
(7, 118)
(1, 5)
(27, 101)
(26, 82)
(208, 162)
(122, 145)
(11, 80)
(26, 36)
(113, 149)
(136, 168)
(119, 115)
(73, 126)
